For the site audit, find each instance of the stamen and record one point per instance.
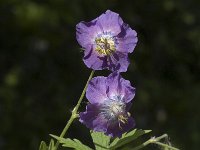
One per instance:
(129, 114)
(105, 44)
(122, 119)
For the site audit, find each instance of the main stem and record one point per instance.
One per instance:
(74, 112)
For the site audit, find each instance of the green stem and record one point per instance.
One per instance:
(74, 112)
(155, 141)
(142, 145)
(167, 146)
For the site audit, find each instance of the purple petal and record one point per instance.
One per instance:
(93, 61)
(127, 39)
(89, 115)
(100, 124)
(119, 87)
(110, 22)
(86, 32)
(96, 90)
(118, 61)
(114, 130)
(92, 119)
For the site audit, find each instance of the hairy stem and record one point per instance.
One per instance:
(74, 112)
(155, 141)
(167, 146)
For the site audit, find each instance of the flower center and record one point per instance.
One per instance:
(105, 43)
(115, 110)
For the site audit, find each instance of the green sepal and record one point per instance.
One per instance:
(43, 146)
(51, 145)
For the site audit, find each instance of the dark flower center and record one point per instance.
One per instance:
(105, 43)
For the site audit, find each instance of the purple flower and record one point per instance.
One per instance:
(107, 40)
(110, 100)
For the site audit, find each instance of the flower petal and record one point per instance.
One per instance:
(110, 22)
(96, 91)
(118, 61)
(119, 88)
(127, 39)
(86, 32)
(92, 119)
(93, 61)
(114, 130)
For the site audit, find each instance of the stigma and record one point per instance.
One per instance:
(105, 43)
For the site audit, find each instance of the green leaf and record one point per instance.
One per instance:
(76, 144)
(128, 137)
(51, 145)
(100, 140)
(43, 146)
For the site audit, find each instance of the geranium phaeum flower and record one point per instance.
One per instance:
(107, 40)
(110, 100)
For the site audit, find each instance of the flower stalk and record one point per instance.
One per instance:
(74, 114)
(154, 140)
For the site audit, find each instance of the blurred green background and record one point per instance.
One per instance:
(42, 73)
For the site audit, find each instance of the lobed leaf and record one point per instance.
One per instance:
(127, 137)
(76, 144)
(100, 140)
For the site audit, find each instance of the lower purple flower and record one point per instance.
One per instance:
(110, 100)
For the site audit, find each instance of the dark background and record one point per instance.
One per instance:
(42, 73)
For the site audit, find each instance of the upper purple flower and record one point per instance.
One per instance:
(110, 100)
(107, 40)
